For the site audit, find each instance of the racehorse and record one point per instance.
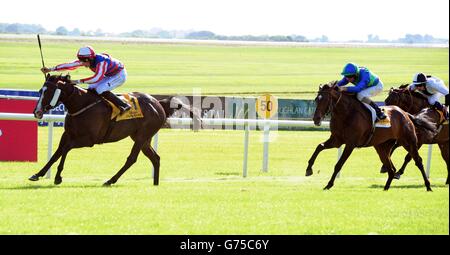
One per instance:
(351, 125)
(88, 122)
(416, 103)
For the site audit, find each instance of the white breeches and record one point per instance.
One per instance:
(433, 98)
(110, 83)
(370, 92)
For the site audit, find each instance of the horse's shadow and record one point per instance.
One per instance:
(407, 186)
(52, 186)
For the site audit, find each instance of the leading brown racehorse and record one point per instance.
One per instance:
(416, 103)
(88, 122)
(351, 125)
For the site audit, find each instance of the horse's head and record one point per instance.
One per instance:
(324, 100)
(51, 93)
(395, 97)
(407, 100)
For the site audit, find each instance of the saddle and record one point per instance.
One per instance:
(134, 113)
(385, 123)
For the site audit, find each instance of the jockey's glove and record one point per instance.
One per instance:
(77, 81)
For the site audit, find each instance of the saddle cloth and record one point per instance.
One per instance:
(134, 113)
(386, 123)
(442, 117)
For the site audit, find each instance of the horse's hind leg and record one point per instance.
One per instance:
(412, 149)
(444, 153)
(330, 143)
(401, 171)
(130, 161)
(154, 158)
(347, 151)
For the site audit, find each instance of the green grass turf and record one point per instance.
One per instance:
(202, 190)
(287, 72)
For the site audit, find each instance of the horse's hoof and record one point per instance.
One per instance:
(34, 178)
(107, 184)
(429, 189)
(383, 170)
(57, 181)
(397, 176)
(309, 172)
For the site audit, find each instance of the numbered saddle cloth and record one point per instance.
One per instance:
(134, 113)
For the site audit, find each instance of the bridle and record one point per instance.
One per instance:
(59, 92)
(330, 104)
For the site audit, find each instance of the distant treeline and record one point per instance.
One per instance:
(17, 28)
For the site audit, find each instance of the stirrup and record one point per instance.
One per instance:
(124, 108)
(381, 116)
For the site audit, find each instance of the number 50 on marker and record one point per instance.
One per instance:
(267, 106)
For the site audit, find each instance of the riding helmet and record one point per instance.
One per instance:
(419, 79)
(86, 52)
(350, 69)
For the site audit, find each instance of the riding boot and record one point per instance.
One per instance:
(441, 108)
(380, 113)
(123, 106)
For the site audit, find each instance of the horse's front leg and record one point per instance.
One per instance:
(58, 178)
(84, 141)
(347, 151)
(330, 143)
(62, 143)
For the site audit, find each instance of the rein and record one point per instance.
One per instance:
(84, 108)
(331, 106)
(74, 91)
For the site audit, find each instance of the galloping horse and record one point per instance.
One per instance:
(351, 125)
(416, 103)
(88, 122)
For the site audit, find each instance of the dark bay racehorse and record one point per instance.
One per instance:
(351, 125)
(416, 103)
(88, 122)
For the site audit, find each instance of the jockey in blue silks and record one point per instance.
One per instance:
(366, 84)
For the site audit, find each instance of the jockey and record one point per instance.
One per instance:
(109, 74)
(366, 85)
(432, 88)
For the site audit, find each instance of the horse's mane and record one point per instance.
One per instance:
(351, 97)
(329, 84)
(57, 78)
(403, 86)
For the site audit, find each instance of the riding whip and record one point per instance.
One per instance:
(40, 48)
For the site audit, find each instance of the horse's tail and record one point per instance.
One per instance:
(423, 123)
(172, 104)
